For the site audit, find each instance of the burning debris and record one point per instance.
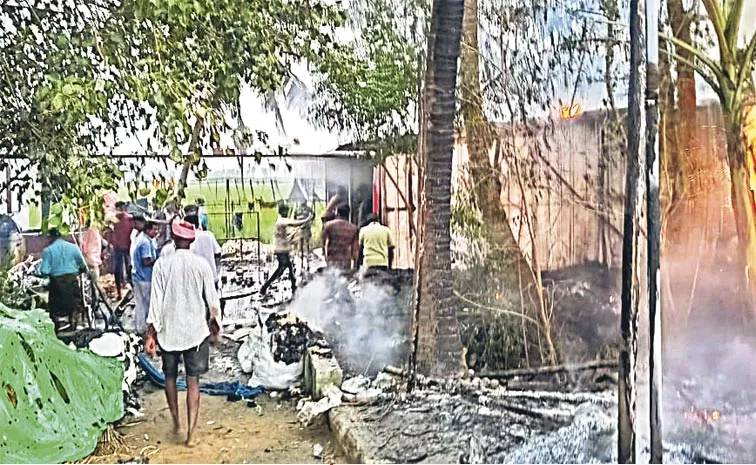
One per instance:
(274, 354)
(464, 421)
(365, 322)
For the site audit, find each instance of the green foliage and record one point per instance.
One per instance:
(80, 73)
(192, 59)
(83, 74)
(55, 93)
(370, 91)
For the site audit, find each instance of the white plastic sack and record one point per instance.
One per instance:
(256, 357)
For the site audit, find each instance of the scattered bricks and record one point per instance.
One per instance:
(320, 372)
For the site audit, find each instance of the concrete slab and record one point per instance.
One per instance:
(350, 433)
(320, 372)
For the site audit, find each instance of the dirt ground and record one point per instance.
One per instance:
(229, 432)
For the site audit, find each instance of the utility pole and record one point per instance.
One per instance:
(636, 146)
(653, 227)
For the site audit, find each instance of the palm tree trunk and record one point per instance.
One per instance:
(680, 122)
(741, 144)
(437, 346)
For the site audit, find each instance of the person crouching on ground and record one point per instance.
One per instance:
(145, 256)
(283, 247)
(340, 241)
(182, 291)
(63, 262)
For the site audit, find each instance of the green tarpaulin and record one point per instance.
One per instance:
(54, 401)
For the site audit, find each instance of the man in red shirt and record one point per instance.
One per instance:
(121, 241)
(340, 240)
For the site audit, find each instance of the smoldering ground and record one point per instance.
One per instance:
(363, 320)
(709, 347)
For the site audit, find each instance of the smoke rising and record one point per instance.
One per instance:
(362, 321)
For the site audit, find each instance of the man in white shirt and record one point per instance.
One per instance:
(168, 249)
(182, 291)
(206, 246)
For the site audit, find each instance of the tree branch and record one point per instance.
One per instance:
(732, 29)
(715, 16)
(709, 80)
(701, 56)
(745, 68)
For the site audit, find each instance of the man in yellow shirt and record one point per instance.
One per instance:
(376, 246)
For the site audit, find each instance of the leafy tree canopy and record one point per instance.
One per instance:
(81, 74)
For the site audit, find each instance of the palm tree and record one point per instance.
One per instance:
(730, 76)
(437, 346)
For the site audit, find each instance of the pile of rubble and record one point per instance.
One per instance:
(30, 290)
(244, 247)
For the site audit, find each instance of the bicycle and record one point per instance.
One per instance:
(97, 306)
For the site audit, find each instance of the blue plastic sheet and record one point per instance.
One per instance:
(232, 389)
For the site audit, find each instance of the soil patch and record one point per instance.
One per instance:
(229, 432)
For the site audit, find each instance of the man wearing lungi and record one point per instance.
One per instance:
(63, 262)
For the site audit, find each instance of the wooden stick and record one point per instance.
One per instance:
(549, 370)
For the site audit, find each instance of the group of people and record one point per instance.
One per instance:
(346, 247)
(178, 307)
(175, 284)
(175, 281)
(138, 247)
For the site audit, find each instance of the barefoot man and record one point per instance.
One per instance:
(183, 289)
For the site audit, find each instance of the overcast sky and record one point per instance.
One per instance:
(314, 140)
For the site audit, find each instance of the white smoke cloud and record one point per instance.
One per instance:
(363, 320)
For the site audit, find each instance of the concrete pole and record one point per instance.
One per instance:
(653, 210)
(634, 186)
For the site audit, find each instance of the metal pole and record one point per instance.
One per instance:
(349, 194)
(259, 254)
(634, 184)
(653, 210)
(229, 226)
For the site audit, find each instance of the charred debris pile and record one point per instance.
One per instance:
(290, 337)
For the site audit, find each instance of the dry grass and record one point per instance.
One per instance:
(113, 447)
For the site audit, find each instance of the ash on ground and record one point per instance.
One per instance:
(587, 310)
(468, 422)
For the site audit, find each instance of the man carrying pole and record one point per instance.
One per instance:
(283, 248)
